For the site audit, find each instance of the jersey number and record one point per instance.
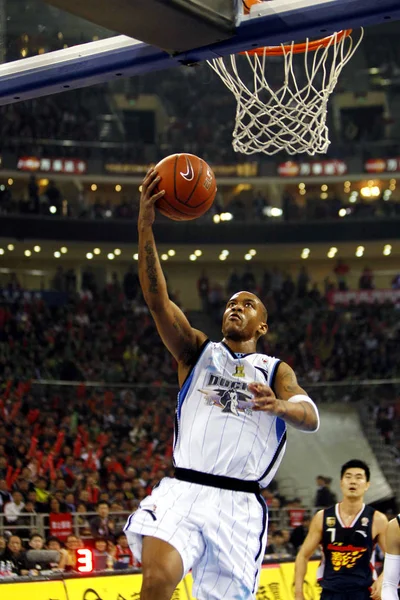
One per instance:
(332, 531)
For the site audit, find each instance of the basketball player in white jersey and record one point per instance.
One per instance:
(230, 436)
(391, 573)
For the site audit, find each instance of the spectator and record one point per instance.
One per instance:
(42, 494)
(324, 497)
(13, 509)
(366, 281)
(123, 554)
(72, 544)
(102, 525)
(203, 288)
(278, 546)
(303, 280)
(299, 533)
(341, 271)
(16, 555)
(5, 495)
(3, 546)
(103, 559)
(53, 543)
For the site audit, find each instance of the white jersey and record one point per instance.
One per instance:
(216, 430)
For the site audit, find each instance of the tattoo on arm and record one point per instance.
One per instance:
(151, 270)
(289, 382)
(187, 348)
(307, 421)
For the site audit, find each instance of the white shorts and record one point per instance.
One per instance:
(220, 534)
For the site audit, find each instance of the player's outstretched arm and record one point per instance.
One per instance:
(175, 330)
(292, 404)
(310, 544)
(391, 571)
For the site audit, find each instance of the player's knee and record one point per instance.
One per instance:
(157, 579)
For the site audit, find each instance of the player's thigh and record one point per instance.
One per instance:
(161, 563)
(235, 537)
(167, 515)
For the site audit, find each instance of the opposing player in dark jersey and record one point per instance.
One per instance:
(391, 574)
(347, 533)
(230, 435)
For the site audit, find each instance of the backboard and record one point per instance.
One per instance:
(45, 50)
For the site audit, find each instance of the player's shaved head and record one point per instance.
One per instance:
(252, 296)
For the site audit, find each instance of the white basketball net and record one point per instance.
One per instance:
(293, 117)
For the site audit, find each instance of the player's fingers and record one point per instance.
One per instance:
(157, 196)
(150, 175)
(260, 389)
(152, 185)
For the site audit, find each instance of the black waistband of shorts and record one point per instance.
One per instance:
(217, 481)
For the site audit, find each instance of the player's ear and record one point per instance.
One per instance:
(262, 329)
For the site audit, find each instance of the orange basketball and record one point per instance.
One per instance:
(247, 4)
(189, 185)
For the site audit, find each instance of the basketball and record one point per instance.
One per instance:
(189, 185)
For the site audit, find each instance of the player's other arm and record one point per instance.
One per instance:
(391, 571)
(175, 330)
(379, 527)
(291, 403)
(310, 544)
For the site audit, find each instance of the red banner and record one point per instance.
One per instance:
(366, 297)
(67, 166)
(322, 168)
(382, 165)
(296, 516)
(60, 525)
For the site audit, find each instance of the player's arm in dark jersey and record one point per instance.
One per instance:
(391, 572)
(291, 403)
(379, 527)
(310, 544)
(182, 340)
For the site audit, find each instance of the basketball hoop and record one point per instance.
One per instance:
(271, 117)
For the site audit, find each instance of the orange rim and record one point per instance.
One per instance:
(300, 48)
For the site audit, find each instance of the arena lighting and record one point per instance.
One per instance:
(386, 195)
(226, 216)
(372, 191)
(117, 252)
(302, 186)
(140, 188)
(324, 188)
(97, 251)
(216, 218)
(253, 252)
(272, 211)
(84, 560)
(192, 257)
(136, 256)
(164, 256)
(360, 251)
(225, 252)
(28, 253)
(10, 181)
(198, 253)
(332, 252)
(387, 251)
(53, 210)
(324, 196)
(1, 251)
(248, 257)
(223, 256)
(171, 252)
(64, 250)
(57, 254)
(108, 214)
(353, 197)
(305, 253)
(110, 256)
(2, 188)
(342, 212)
(89, 255)
(37, 248)
(10, 247)
(303, 192)
(93, 187)
(118, 188)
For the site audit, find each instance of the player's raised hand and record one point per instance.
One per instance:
(264, 399)
(149, 197)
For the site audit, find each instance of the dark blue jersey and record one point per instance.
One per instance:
(348, 552)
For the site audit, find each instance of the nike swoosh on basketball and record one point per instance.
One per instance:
(190, 172)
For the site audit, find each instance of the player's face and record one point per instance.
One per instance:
(243, 317)
(354, 483)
